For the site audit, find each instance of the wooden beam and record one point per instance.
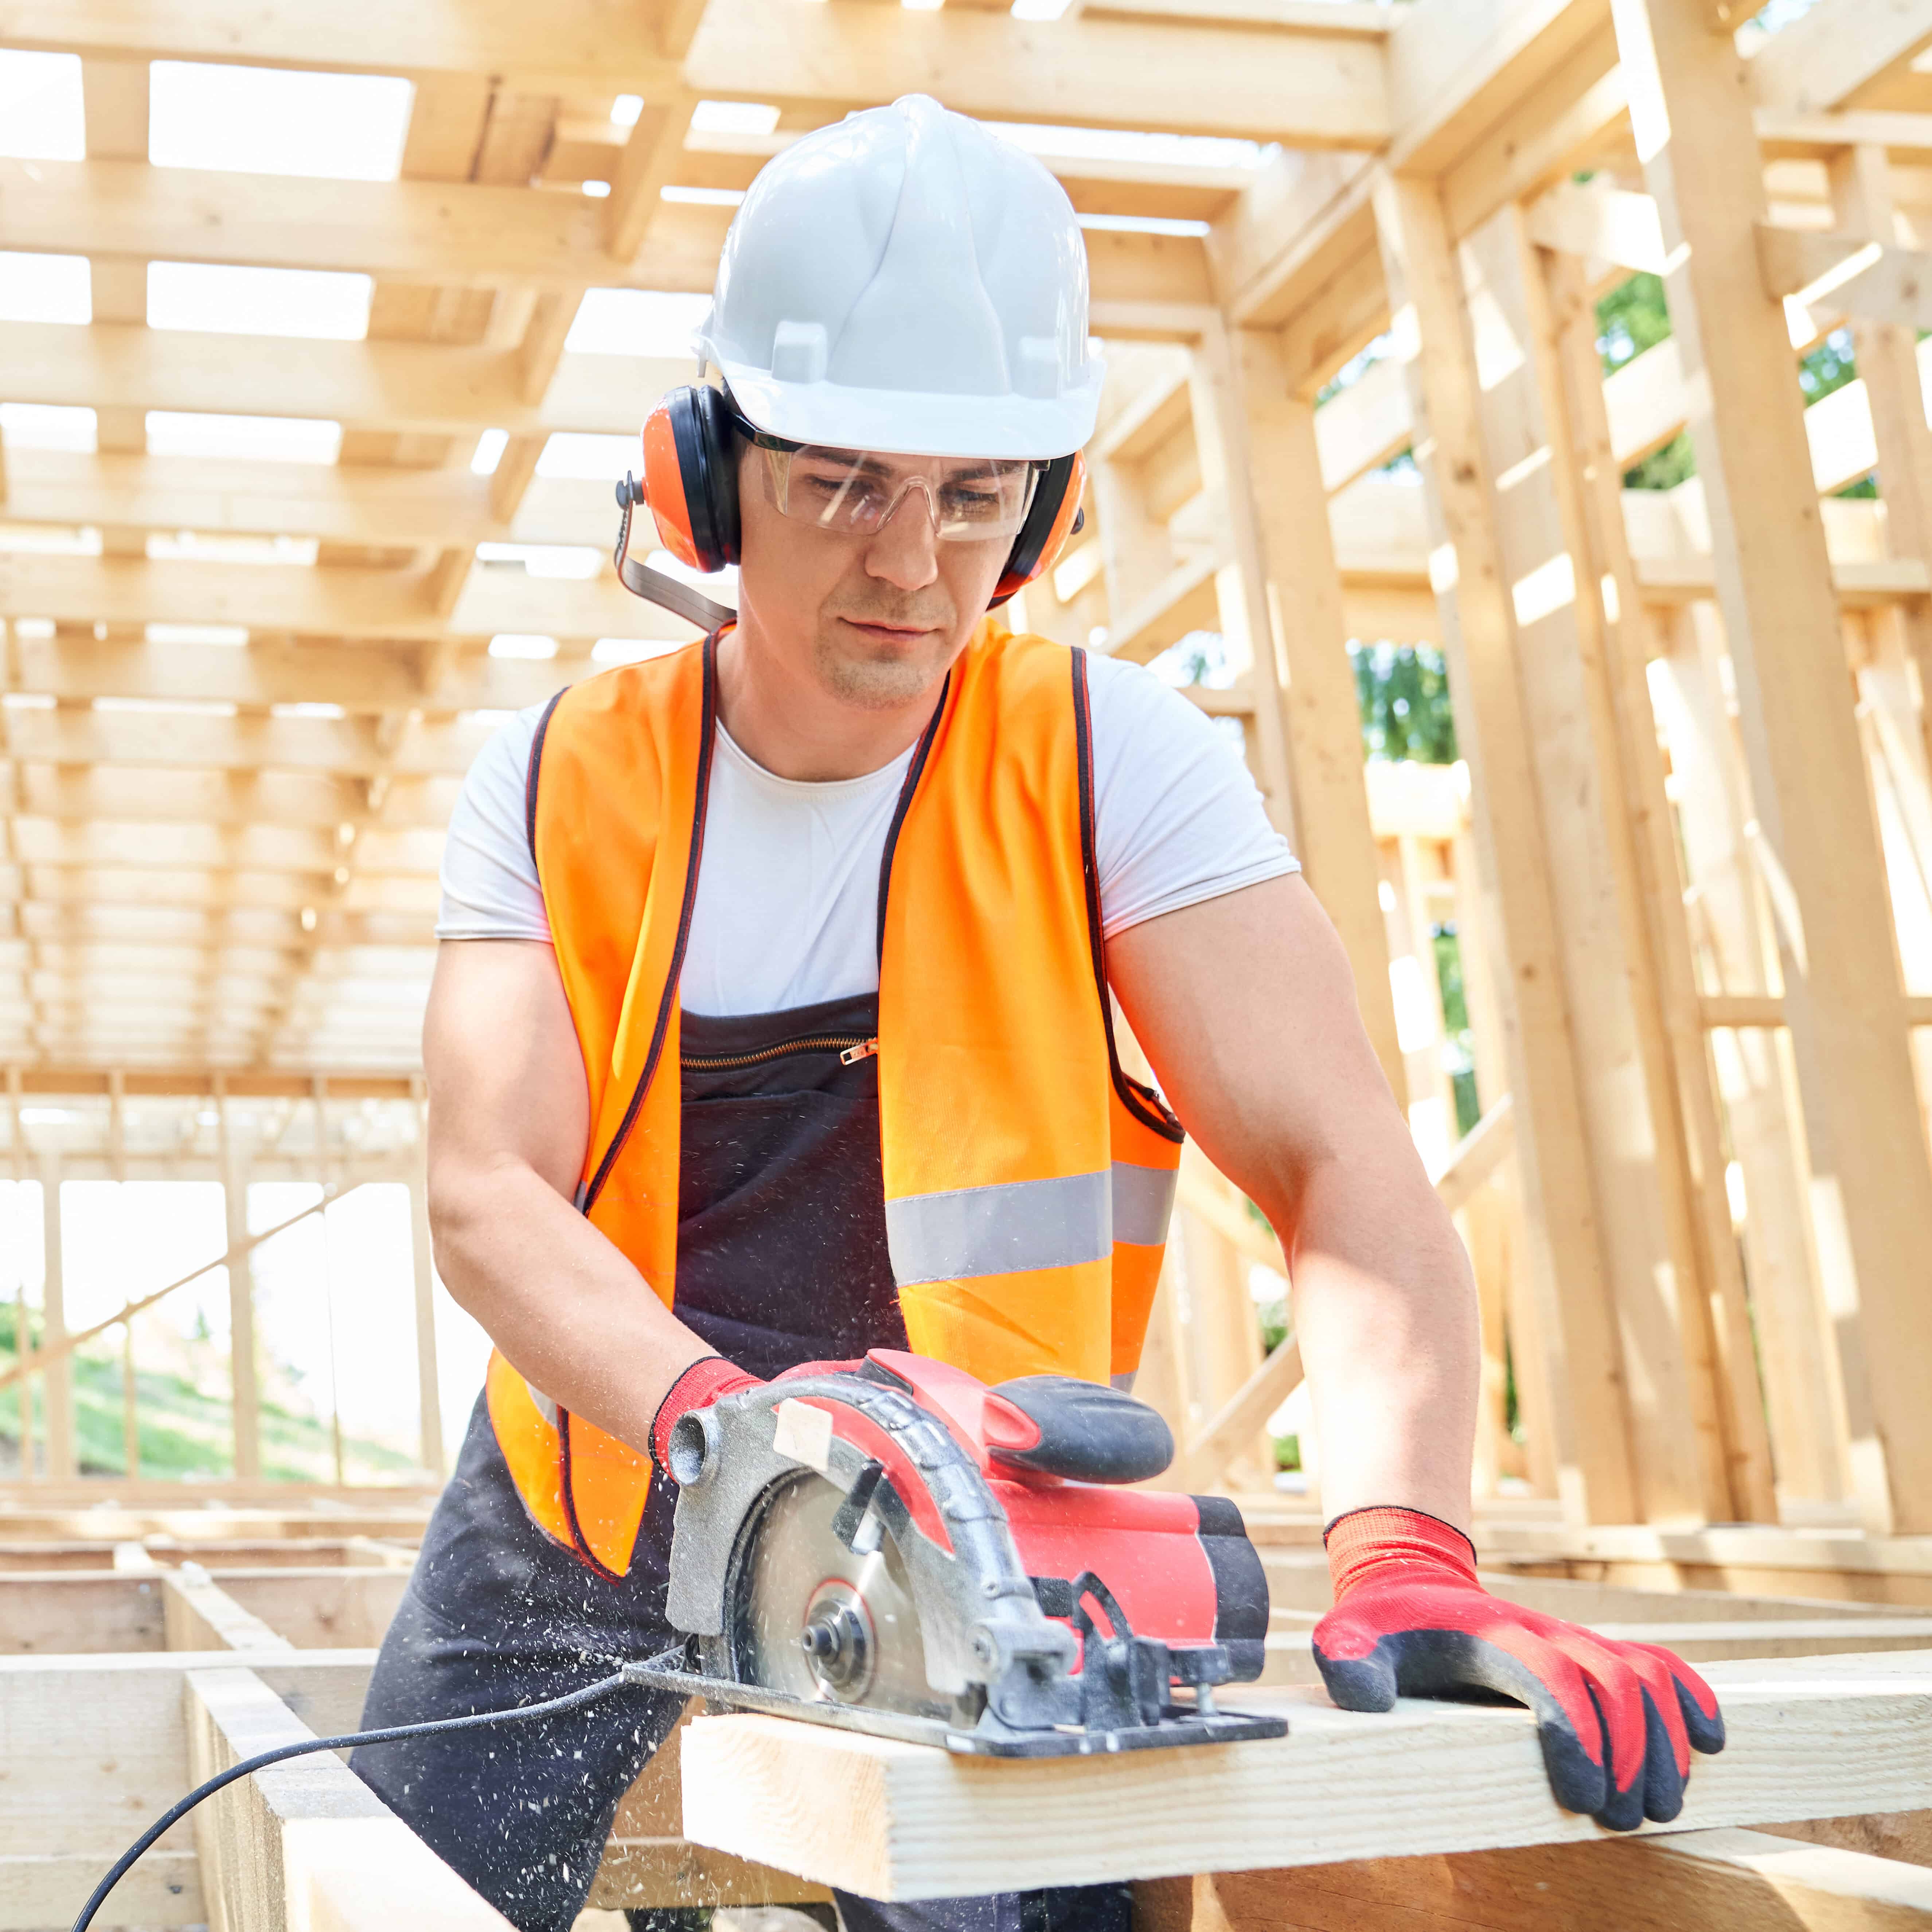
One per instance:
(1713, 1877)
(900, 1821)
(1304, 619)
(1838, 52)
(430, 387)
(305, 1843)
(199, 1615)
(1871, 1167)
(1893, 285)
(236, 798)
(1456, 66)
(1312, 90)
(335, 600)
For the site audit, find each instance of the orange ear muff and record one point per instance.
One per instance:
(691, 477)
(1055, 515)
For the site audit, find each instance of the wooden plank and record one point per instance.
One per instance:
(339, 1608)
(59, 1613)
(433, 388)
(1871, 1167)
(305, 1845)
(1494, 735)
(201, 1615)
(96, 1748)
(1839, 51)
(1751, 1880)
(52, 1359)
(36, 1891)
(898, 1821)
(342, 600)
(1314, 90)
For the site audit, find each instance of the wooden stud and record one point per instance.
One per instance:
(1301, 592)
(244, 1385)
(1872, 1173)
(1588, 1420)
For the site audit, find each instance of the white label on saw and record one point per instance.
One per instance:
(804, 1433)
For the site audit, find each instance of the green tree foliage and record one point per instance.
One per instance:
(1403, 692)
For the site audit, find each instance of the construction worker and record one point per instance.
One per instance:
(755, 954)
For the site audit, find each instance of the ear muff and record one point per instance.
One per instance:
(1055, 515)
(691, 477)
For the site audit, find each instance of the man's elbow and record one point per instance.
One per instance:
(469, 1201)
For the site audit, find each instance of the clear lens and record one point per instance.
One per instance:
(967, 498)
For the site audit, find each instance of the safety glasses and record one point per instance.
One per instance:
(968, 499)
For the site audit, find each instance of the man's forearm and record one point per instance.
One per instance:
(1385, 1314)
(565, 1307)
(1386, 1320)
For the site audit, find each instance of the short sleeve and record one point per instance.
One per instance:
(1177, 816)
(489, 885)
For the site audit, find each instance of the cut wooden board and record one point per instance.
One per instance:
(1811, 1737)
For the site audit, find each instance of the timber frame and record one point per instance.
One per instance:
(1356, 394)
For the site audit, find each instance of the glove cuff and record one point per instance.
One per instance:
(701, 1385)
(1382, 1543)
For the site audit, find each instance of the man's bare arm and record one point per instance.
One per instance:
(509, 1118)
(1246, 1007)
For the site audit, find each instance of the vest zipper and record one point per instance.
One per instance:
(855, 1047)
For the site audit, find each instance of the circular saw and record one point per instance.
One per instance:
(901, 1549)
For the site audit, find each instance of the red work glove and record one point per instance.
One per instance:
(709, 1379)
(1617, 1721)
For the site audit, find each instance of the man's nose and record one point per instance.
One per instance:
(904, 550)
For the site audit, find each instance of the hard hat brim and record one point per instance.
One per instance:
(912, 422)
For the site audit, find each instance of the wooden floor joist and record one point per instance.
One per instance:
(900, 1821)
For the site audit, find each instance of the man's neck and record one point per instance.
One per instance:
(796, 729)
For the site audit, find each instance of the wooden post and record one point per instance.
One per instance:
(1300, 614)
(59, 1379)
(1871, 1175)
(1888, 359)
(1588, 1425)
(117, 1166)
(1220, 441)
(429, 1393)
(1799, 1353)
(243, 1375)
(1649, 1256)
(23, 1313)
(1614, 635)
(324, 1168)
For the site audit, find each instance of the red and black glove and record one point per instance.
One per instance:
(709, 1379)
(1617, 1721)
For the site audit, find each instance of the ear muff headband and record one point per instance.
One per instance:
(691, 477)
(1054, 517)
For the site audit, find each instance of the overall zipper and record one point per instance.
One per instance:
(851, 1048)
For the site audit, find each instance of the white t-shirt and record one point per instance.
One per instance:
(787, 893)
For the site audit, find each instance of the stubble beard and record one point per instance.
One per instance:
(879, 677)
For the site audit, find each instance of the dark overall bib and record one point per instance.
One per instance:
(782, 1259)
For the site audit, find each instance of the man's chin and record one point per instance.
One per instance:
(860, 667)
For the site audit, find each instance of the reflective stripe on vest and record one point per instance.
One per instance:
(1006, 1227)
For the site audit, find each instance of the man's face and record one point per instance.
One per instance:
(874, 617)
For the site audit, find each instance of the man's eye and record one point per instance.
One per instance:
(975, 504)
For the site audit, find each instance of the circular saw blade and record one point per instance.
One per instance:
(791, 1557)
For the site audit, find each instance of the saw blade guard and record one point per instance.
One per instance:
(904, 1545)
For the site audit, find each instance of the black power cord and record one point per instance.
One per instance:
(571, 1700)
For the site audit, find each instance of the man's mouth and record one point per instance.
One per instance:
(886, 632)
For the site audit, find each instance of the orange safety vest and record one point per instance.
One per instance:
(1028, 1180)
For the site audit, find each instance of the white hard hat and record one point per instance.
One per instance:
(904, 280)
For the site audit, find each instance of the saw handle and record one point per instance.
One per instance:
(1082, 1430)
